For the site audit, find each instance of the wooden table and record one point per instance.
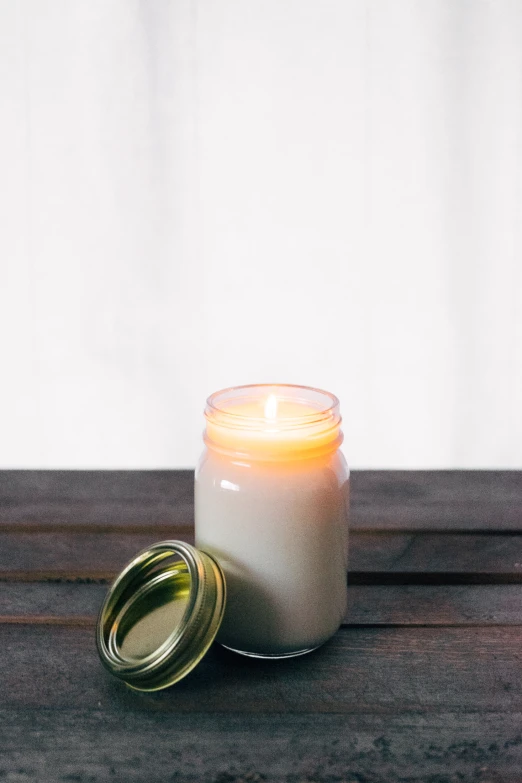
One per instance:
(422, 683)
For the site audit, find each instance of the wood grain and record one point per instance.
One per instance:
(136, 500)
(100, 556)
(438, 500)
(361, 670)
(398, 605)
(423, 684)
(105, 500)
(130, 746)
(441, 605)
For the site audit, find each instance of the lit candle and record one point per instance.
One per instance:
(271, 506)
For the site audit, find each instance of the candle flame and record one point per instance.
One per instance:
(271, 407)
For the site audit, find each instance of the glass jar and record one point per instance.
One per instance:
(271, 506)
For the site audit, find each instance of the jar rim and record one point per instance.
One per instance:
(324, 403)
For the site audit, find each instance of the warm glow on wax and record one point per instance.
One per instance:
(274, 425)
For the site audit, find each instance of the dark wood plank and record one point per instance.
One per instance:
(442, 605)
(432, 553)
(456, 500)
(34, 556)
(98, 556)
(131, 500)
(137, 500)
(134, 746)
(361, 670)
(51, 602)
(480, 605)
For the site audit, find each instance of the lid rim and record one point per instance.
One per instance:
(194, 632)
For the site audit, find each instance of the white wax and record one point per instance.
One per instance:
(280, 531)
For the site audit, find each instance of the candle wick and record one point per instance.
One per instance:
(271, 407)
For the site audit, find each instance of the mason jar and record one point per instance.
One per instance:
(271, 507)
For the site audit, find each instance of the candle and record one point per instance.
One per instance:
(271, 500)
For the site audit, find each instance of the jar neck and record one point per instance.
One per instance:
(255, 453)
(273, 423)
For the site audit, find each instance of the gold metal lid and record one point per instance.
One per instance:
(161, 615)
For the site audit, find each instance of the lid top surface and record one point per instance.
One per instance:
(152, 615)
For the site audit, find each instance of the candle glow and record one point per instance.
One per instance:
(281, 425)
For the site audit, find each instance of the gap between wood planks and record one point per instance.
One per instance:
(364, 578)
(187, 529)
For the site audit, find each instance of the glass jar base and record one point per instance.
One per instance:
(271, 656)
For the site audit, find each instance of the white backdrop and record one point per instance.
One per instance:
(202, 193)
